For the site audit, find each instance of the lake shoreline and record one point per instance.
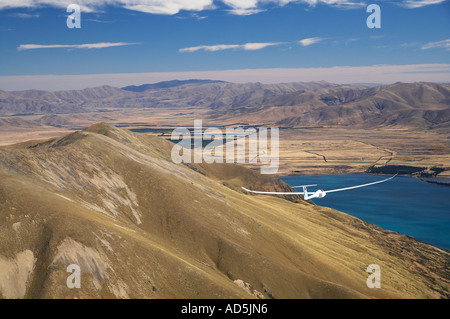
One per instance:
(444, 181)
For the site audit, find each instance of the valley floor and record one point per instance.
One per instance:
(303, 151)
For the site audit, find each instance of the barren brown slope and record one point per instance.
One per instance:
(412, 105)
(140, 226)
(424, 105)
(199, 94)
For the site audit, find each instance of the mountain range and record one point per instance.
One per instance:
(139, 226)
(422, 104)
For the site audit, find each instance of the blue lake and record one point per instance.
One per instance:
(403, 204)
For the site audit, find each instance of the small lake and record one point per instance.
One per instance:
(403, 204)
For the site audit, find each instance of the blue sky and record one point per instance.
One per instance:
(184, 37)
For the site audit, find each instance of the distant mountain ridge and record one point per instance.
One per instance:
(166, 85)
(205, 93)
(420, 104)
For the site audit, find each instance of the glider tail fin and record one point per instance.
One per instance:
(305, 192)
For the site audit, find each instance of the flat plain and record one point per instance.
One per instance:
(303, 150)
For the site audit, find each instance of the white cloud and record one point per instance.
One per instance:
(241, 4)
(412, 4)
(86, 5)
(335, 3)
(252, 46)
(221, 47)
(100, 21)
(245, 12)
(99, 45)
(310, 41)
(258, 46)
(243, 7)
(15, 3)
(247, 7)
(171, 7)
(211, 48)
(25, 15)
(444, 44)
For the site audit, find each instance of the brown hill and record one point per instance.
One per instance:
(140, 226)
(425, 105)
(44, 102)
(214, 94)
(10, 123)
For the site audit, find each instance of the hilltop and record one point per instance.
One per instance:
(140, 226)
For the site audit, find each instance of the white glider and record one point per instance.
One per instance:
(317, 194)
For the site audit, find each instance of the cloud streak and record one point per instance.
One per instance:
(257, 46)
(167, 7)
(100, 45)
(310, 41)
(171, 7)
(221, 47)
(444, 44)
(25, 15)
(412, 4)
